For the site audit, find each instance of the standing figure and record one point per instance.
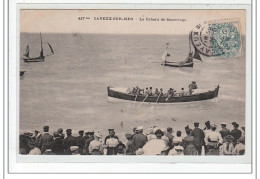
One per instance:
(95, 146)
(130, 148)
(139, 139)
(80, 141)
(170, 136)
(68, 142)
(112, 143)
(224, 131)
(90, 138)
(236, 133)
(198, 137)
(213, 140)
(227, 148)
(188, 143)
(46, 139)
(57, 145)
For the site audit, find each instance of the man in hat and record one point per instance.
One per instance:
(198, 137)
(227, 148)
(130, 148)
(213, 139)
(156, 93)
(46, 139)
(139, 139)
(240, 147)
(170, 136)
(68, 142)
(61, 134)
(90, 138)
(224, 131)
(111, 133)
(111, 143)
(156, 146)
(95, 146)
(57, 145)
(80, 140)
(236, 133)
(206, 130)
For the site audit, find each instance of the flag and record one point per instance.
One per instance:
(197, 55)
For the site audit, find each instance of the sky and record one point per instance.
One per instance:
(68, 21)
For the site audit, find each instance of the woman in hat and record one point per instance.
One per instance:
(95, 146)
(188, 143)
(240, 147)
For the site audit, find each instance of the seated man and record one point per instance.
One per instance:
(157, 93)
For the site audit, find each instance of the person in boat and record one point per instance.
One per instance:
(150, 91)
(161, 91)
(133, 91)
(170, 93)
(147, 91)
(182, 93)
(157, 92)
(192, 86)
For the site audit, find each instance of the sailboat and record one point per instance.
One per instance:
(40, 58)
(188, 62)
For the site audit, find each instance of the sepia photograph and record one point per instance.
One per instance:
(132, 82)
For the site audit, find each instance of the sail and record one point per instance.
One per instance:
(27, 52)
(197, 54)
(164, 56)
(50, 48)
(187, 60)
(41, 53)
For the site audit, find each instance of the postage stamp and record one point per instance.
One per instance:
(218, 38)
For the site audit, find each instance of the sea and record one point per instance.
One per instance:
(69, 89)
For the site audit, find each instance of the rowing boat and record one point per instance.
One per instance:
(176, 64)
(197, 95)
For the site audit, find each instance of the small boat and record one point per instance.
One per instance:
(40, 58)
(197, 95)
(22, 73)
(188, 62)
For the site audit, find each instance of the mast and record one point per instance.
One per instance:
(190, 41)
(41, 53)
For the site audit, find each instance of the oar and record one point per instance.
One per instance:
(158, 96)
(144, 99)
(168, 97)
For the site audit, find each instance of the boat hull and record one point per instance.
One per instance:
(174, 64)
(36, 59)
(162, 99)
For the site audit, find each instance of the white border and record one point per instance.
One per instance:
(95, 167)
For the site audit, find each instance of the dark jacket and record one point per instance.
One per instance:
(81, 143)
(139, 140)
(68, 142)
(198, 137)
(224, 132)
(87, 144)
(236, 133)
(45, 140)
(57, 146)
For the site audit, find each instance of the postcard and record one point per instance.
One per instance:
(108, 85)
